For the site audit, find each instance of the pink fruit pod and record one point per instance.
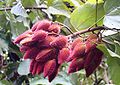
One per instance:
(39, 35)
(34, 27)
(55, 28)
(49, 67)
(43, 25)
(22, 36)
(44, 55)
(60, 42)
(63, 55)
(92, 61)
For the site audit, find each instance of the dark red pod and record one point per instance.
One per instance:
(31, 53)
(75, 65)
(34, 68)
(40, 67)
(80, 65)
(34, 27)
(92, 61)
(75, 42)
(54, 74)
(22, 36)
(24, 48)
(44, 55)
(54, 28)
(49, 67)
(63, 55)
(60, 42)
(32, 65)
(39, 35)
(46, 43)
(78, 51)
(90, 44)
(43, 25)
(27, 41)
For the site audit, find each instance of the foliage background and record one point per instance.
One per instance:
(16, 16)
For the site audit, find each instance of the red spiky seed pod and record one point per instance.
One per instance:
(40, 67)
(27, 41)
(34, 68)
(44, 55)
(22, 36)
(34, 27)
(90, 44)
(60, 42)
(46, 43)
(49, 67)
(43, 25)
(39, 35)
(54, 73)
(54, 28)
(78, 51)
(32, 65)
(31, 53)
(24, 48)
(76, 64)
(92, 61)
(63, 55)
(75, 42)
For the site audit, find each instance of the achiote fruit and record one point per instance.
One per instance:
(85, 55)
(46, 50)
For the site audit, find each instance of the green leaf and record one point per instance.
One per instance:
(53, 10)
(111, 5)
(114, 69)
(3, 45)
(107, 52)
(112, 17)
(23, 68)
(84, 16)
(27, 3)
(17, 28)
(113, 54)
(5, 82)
(24, 20)
(58, 7)
(2, 21)
(62, 79)
(19, 10)
(117, 48)
(103, 48)
(113, 61)
(94, 1)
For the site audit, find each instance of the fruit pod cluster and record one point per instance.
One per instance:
(85, 55)
(46, 50)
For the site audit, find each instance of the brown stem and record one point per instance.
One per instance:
(34, 7)
(92, 29)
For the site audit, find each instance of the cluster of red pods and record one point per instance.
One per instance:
(48, 49)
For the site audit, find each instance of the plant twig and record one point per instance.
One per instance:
(34, 7)
(93, 29)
